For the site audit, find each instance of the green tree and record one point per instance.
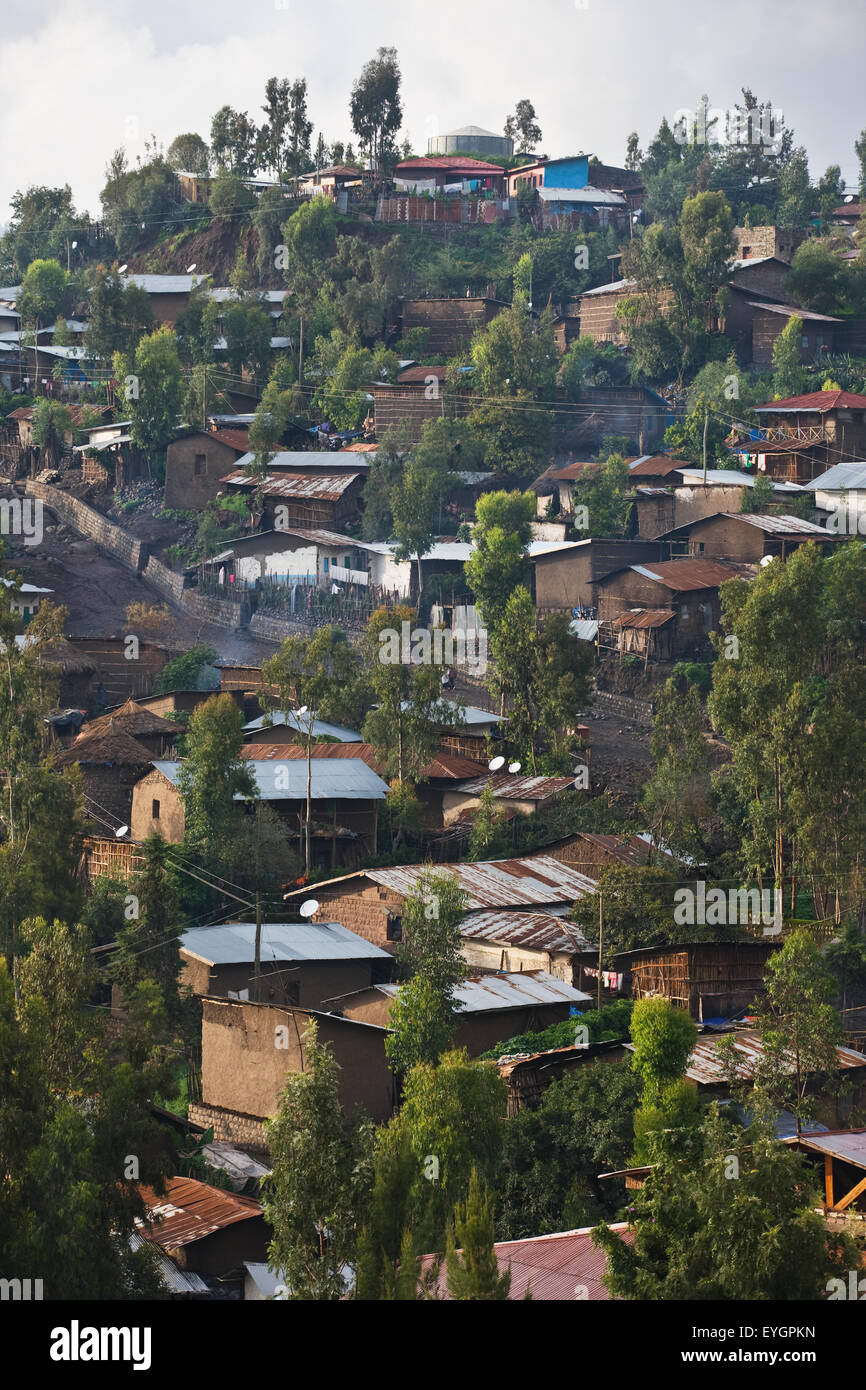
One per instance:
(320, 675)
(153, 388)
(514, 366)
(43, 292)
(416, 505)
(472, 1268)
(453, 1120)
(488, 838)
(229, 196)
(789, 377)
(233, 142)
(118, 315)
(664, 1038)
(524, 127)
(544, 673)
(498, 562)
(51, 428)
(424, 1013)
(637, 909)
(404, 725)
(799, 1027)
(817, 278)
(388, 1265)
(190, 154)
(795, 191)
(148, 942)
(183, 672)
(376, 109)
(317, 1191)
(212, 775)
(678, 796)
(708, 1230)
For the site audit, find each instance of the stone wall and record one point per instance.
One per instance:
(88, 522)
(222, 612)
(636, 711)
(231, 1127)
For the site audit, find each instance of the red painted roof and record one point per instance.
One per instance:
(444, 161)
(819, 401)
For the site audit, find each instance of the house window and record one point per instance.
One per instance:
(747, 251)
(200, 461)
(395, 929)
(805, 340)
(347, 562)
(154, 810)
(325, 564)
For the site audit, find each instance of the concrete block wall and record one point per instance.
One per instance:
(160, 577)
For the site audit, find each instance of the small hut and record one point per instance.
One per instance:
(156, 734)
(111, 762)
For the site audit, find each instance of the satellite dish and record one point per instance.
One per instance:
(123, 830)
(191, 268)
(496, 763)
(122, 268)
(309, 908)
(767, 560)
(514, 767)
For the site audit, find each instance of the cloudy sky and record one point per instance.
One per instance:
(82, 79)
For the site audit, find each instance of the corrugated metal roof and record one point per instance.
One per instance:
(480, 994)
(593, 197)
(320, 727)
(177, 1280)
(329, 489)
(682, 576)
(234, 943)
(164, 284)
(840, 478)
(474, 167)
(191, 1210)
(778, 525)
(615, 287)
(519, 788)
(849, 1145)
(557, 1268)
(584, 629)
(533, 881)
(819, 401)
(240, 1166)
(706, 1069)
(732, 477)
(304, 460)
(540, 931)
(640, 618)
(791, 311)
(445, 766)
(286, 780)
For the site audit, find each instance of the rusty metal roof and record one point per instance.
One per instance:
(556, 1268)
(413, 376)
(655, 466)
(684, 575)
(519, 788)
(443, 766)
(819, 401)
(498, 882)
(191, 1210)
(297, 485)
(644, 617)
(539, 931)
(705, 1067)
(778, 525)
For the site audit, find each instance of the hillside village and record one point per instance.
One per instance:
(432, 714)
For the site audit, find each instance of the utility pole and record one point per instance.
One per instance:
(706, 423)
(257, 967)
(600, 944)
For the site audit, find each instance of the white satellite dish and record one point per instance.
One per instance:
(304, 709)
(767, 560)
(123, 830)
(496, 763)
(191, 268)
(309, 908)
(514, 767)
(122, 268)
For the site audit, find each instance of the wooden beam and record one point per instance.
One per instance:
(828, 1180)
(850, 1196)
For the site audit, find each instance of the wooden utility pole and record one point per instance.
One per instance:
(706, 422)
(600, 944)
(257, 967)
